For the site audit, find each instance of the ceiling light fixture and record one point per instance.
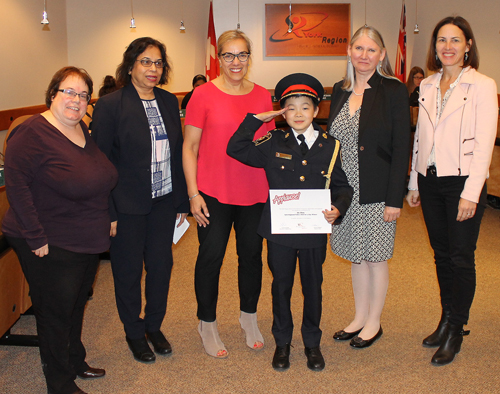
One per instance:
(290, 18)
(416, 31)
(132, 21)
(238, 24)
(45, 17)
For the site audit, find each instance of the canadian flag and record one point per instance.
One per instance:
(400, 69)
(212, 69)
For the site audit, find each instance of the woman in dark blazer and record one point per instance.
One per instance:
(370, 116)
(138, 127)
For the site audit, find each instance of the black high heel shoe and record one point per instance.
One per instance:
(360, 343)
(344, 335)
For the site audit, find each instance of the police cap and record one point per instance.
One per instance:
(298, 84)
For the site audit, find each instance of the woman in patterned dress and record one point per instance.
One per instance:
(370, 116)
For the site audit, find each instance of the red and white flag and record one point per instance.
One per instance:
(400, 69)
(212, 69)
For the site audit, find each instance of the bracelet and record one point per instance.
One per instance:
(196, 195)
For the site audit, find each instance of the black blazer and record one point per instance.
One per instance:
(279, 154)
(384, 139)
(121, 130)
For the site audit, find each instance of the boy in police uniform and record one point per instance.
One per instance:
(300, 157)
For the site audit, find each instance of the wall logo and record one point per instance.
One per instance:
(311, 29)
(299, 26)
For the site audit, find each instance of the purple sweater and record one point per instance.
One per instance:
(58, 192)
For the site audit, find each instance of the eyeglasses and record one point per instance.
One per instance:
(148, 63)
(84, 96)
(229, 57)
(417, 77)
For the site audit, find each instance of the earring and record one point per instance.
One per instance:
(466, 56)
(348, 59)
(437, 57)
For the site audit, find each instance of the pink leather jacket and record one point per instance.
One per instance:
(465, 134)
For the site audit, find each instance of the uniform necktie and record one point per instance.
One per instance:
(303, 145)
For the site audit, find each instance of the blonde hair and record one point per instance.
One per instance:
(231, 35)
(383, 68)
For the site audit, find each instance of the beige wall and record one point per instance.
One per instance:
(94, 33)
(383, 15)
(30, 53)
(103, 33)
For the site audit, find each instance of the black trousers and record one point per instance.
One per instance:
(143, 241)
(282, 262)
(453, 242)
(59, 286)
(213, 242)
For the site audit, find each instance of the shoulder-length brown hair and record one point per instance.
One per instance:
(433, 62)
(131, 54)
(61, 75)
(410, 85)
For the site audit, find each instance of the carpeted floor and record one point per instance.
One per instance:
(397, 363)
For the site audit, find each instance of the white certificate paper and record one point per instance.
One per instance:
(299, 211)
(179, 231)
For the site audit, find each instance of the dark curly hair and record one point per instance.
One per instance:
(131, 54)
(108, 86)
(61, 75)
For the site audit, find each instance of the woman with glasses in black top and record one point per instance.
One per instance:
(138, 127)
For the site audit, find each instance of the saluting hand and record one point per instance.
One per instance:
(270, 115)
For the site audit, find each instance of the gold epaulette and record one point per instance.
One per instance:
(263, 139)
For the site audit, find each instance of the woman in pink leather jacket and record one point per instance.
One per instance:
(454, 142)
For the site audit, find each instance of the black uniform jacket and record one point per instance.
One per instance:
(384, 139)
(290, 170)
(121, 130)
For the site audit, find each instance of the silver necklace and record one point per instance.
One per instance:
(356, 93)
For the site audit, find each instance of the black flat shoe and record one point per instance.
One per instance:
(360, 343)
(281, 359)
(315, 360)
(344, 335)
(141, 350)
(160, 343)
(92, 373)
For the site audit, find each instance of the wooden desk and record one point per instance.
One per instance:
(14, 294)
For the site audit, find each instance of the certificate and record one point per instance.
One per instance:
(299, 211)
(179, 231)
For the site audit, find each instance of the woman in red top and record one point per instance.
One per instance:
(224, 192)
